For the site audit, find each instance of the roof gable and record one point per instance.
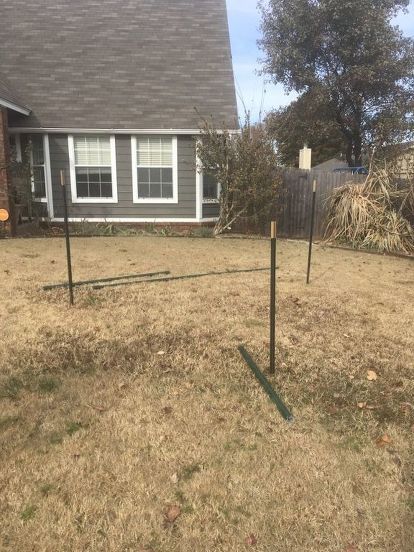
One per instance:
(10, 99)
(135, 64)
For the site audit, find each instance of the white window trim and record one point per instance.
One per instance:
(72, 170)
(156, 220)
(45, 171)
(48, 171)
(154, 200)
(199, 186)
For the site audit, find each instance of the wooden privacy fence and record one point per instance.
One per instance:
(295, 201)
(292, 208)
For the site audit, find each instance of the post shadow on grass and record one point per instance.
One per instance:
(312, 227)
(260, 376)
(70, 284)
(80, 283)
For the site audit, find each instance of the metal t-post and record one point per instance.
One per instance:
(311, 231)
(68, 256)
(273, 299)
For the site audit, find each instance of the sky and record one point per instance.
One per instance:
(244, 21)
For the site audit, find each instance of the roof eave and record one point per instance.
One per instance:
(15, 107)
(79, 130)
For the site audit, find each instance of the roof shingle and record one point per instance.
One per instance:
(135, 64)
(10, 96)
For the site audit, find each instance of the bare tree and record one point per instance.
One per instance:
(245, 165)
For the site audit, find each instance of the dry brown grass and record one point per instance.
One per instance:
(375, 214)
(100, 434)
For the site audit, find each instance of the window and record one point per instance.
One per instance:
(15, 147)
(154, 169)
(38, 166)
(93, 169)
(211, 188)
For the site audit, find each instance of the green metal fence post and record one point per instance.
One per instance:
(311, 231)
(68, 255)
(273, 299)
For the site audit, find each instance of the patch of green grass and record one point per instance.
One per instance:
(7, 422)
(103, 229)
(230, 516)
(179, 495)
(46, 489)
(353, 442)
(91, 299)
(55, 438)
(167, 231)
(80, 521)
(241, 510)
(48, 385)
(28, 513)
(73, 427)
(202, 232)
(188, 472)
(186, 506)
(149, 228)
(234, 444)
(11, 388)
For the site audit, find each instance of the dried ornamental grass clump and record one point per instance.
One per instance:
(375, 214)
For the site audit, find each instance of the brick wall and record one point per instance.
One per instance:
(5, 177)
(4, 204)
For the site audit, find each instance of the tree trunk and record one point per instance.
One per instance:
(349, 139)
(349, 151)
(358, 151)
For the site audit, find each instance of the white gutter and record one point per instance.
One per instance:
(51, 130)
(14, 107)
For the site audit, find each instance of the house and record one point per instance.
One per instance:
(114, 93)
(399, 156)
(331, 165)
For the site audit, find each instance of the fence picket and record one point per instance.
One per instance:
(295, 200)
(293, 203)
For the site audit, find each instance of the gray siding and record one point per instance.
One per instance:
(185, 208)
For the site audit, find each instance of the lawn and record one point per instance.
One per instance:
(131, 423)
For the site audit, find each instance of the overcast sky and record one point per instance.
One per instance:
(244, 21)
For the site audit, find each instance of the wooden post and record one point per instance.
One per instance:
(273, 298)
(68, 256)
(311, 231)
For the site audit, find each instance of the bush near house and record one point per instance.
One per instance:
(245, 164)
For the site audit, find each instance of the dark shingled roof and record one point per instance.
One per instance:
(330, 165)
(130, 64)
(7, 94)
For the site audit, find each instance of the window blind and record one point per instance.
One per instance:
(92, 151)
(153, 151)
